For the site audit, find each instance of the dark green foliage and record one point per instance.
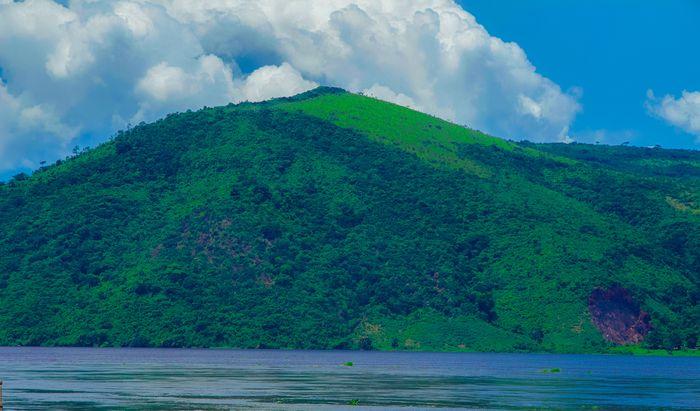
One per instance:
(259, 226)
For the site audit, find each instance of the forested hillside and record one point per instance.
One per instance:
(334, 220)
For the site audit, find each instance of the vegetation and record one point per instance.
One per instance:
(332, 220)
(551, 370)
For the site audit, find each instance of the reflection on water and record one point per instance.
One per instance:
(85, 378)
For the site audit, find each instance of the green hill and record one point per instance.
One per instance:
(333, 220)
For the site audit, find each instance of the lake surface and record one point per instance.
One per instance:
(89, 378)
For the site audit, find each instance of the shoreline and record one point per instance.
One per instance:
(614, 351)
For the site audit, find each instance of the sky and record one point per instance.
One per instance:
(615, 52)
(74, 72)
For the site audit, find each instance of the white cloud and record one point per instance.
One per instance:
(96, 65)
(682, 112)
(273, 81)
(387, 94)
(204, 81)
(530, 106)
(138, 21)
(23, 127)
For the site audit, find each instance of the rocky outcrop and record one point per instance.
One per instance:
(618, 317)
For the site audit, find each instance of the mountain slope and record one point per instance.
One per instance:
(332, 220)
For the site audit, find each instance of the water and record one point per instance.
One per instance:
(87, 378)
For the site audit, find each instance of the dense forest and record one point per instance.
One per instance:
(334, 220)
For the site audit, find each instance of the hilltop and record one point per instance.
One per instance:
(335, 220)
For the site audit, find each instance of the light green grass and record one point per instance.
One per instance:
(428, 137)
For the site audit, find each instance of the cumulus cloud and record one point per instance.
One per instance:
(273, 81)
(25, 127)
(682, 112)
(387, 94)
(92, 66)
(204, 81)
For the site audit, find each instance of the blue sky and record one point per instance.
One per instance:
(73, 73)
(614, 50)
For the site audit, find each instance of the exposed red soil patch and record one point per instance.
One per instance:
(618, 316)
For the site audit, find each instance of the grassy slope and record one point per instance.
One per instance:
(441, 143)
(325, 238)
(670, 174)
(429, 138)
